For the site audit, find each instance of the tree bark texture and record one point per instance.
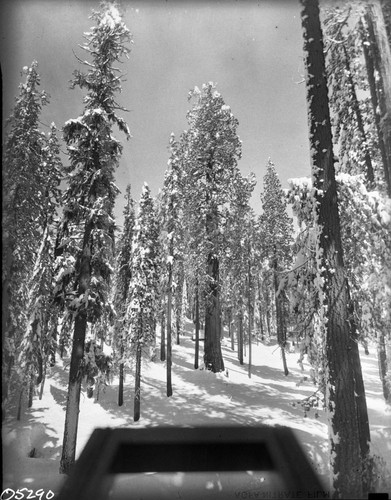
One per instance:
(75, 371)
(213, 357)
(169, 331)
(378, 63)
(121, 376)
(370, 177)
(280, 319)
(240, 338)
(342, 364)
(197, 328)
(163, 336)
(384, 367)
(137, 383)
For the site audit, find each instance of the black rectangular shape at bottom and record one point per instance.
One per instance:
(191, 457)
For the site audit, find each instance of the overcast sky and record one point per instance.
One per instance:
(251, 49)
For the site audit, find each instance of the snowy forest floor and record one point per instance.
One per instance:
(199, 398)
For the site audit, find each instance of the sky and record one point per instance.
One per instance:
(251, 49)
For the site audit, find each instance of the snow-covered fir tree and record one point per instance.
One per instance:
(141, 312)
(30, 182)
(276, 239)
(123, 276)
(172, 249)
(86, 239)
(38, 344)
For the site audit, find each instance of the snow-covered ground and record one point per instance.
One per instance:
(199, 398)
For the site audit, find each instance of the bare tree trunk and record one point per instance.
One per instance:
(280, 320)
(230, 329)
(43, 380)
(342, 366)
(379, 79)
(213, 357)
(360, 124)
(240, 337)
(163, 336)
(169, 332)
(121, 376)
(384, 369)
(20, 401)
(249, 338)
(137, 383)
(197, 328)
(75, 371)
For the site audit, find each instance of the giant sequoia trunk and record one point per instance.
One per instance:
(75, 371)
(348, 422)
(213, 357)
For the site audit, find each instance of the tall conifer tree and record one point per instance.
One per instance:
(86, 240)
(143, 289)
(345, 398)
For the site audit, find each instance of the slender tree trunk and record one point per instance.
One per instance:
(249, 338)
(280, 320)
(20, 401)
(197, 328)
(163, 336)
(230, 329)
(342, 366)
(240, 337)
(53, 346)
(379, 89)
(121, 375)
(360, 124)
(267, 314)
(137, 382)
(178, 302)
(213, 357)
(385, 376)
(42, 381)
(75, 372)
(169, 332)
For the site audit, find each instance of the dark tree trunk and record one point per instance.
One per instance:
(280, 319)
(360, 124)
(342, 366)
(137, 382)
(230, 329)
(75, 372)
(121, 376)
(178, 301)
(240, 338)
(163, 336)
(43, 380)
(213, 357)
(20, 401)
(31, 385)
(169, 331)
(197, 328)
(381, 100)
(249, 339)
(384, 367)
